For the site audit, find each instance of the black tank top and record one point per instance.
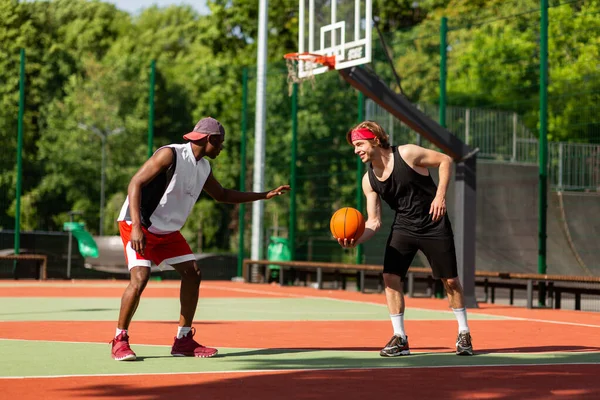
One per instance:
(410, 195)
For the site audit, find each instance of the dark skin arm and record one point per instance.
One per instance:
(222, 195)
(159, 162)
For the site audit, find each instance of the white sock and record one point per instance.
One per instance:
(398, 324)
(183, 331)
(119, 331)
(461, 317)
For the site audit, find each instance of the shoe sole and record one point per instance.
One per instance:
(194, 355)
(465, 352)
(130, 357)
(402, 353)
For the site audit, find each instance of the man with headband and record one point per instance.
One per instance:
(399, 175)
(161, 196)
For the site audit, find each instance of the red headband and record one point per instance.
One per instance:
(362, 133)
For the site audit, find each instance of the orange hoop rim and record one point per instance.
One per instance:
(328, 61)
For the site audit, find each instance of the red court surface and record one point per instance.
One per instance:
(523, 331)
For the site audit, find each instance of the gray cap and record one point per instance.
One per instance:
(205, 127)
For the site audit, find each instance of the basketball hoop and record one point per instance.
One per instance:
(306, 63)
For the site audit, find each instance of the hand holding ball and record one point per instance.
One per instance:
(347, 223)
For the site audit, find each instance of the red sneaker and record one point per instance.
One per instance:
(187, 346)
(120, 348)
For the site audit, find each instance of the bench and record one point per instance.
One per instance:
(342, 269)
(541, 282)
(42, 275)
(489, 280)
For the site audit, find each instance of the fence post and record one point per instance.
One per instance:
(514, 143)
(560, 165)
(293, 180)
(543, 144)
(17, 239)
(467, 125)
(419, 137)
(242, 212)
(390, 127)
(443, 59)
(151, 108)
(359, 174)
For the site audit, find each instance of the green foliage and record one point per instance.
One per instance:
(493, 61)
(89, 63)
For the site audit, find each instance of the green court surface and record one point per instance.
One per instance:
(209, 309)
(38, 358)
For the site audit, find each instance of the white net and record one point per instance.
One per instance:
(293, 77)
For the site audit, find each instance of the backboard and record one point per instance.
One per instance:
(334, 27)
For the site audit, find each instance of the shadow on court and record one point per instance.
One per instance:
(513, 382)
(541, 349)
(313, 349)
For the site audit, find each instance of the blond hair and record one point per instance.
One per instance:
(378, 131)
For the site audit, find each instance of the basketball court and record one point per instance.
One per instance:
(276, 342)
(296, 342)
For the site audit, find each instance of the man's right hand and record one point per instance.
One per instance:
(137, 239)
(347, 244)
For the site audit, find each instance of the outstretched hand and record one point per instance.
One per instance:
(278, 192)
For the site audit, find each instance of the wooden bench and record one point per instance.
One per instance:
(42, 275)
(489, 280)
(319, 267)
(529, 282)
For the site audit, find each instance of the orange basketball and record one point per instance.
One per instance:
(347, 223)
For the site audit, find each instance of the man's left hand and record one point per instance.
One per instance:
(438, 208)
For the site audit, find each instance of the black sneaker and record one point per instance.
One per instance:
(397, 346)
(463, 344)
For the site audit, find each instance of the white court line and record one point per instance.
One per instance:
(412, 308)
(296, 370)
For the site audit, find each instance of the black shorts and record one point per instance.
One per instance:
(400, 251)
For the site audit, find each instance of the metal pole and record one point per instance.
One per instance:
(151, 109)
(359, 176)
(514, 143)
(543, 143)
(259, 143)
(294, 156)
(560, 165)
(443, 59)
(242, 214)
(102, 179)
(69, 249)
(103, 135)
(419, 137)
(467, 123)
(17, 239)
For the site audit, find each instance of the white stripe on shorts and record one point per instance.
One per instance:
(132, 260)
(180, 259)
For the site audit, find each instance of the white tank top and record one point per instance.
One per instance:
(167, 200)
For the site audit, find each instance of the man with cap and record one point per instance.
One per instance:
(160, 197)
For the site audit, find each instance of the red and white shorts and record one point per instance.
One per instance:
(171, 248)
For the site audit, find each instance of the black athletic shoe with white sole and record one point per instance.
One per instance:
(397, 346)
(463, 344)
